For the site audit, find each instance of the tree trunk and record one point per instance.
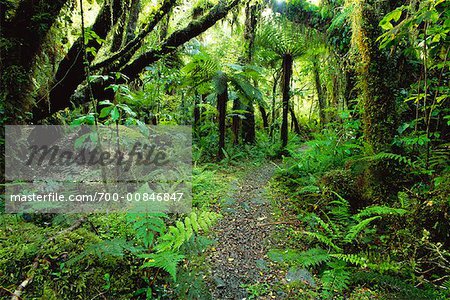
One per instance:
(286, 79)
(248, 125)
(350, 83)
(222, 99)
(378, 97)
(236, 122)
(23, 38)
(294, 121)
(196, 113)
(71, 71)
(119, 29)
(374, 75)
(276, 77)
(263, 112)
(132, 20)
(251, 19)
(320, 95)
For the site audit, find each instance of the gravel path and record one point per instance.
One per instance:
(243, 237)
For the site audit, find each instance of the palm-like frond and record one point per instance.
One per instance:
(276, 38)
(202, 68)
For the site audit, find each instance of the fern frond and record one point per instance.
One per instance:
(355, 229)
(167, 261)
(379, 210)
(336, 279)
(354, 259)
(145, 226)
(310, 258)
(391, 156)
(341, 17)
(114, 248)
(183, 231)
(324, 225)
(323, 239)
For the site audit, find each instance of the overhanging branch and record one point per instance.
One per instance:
(178, 38)
(134, 45)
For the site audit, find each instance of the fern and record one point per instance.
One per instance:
(341, 209)
(391, 156)
(183, 231)
(352, 259)
(115, 248)
(324, 225)
(355, 229)
(145, 226)
(312, 257)
(341, 17)
(379, 210)
(335, 279)
(309, 258)
(167, 261)
(324, 239)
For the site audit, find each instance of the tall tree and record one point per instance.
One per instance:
(375, 79)
(121, 60)
(281, 41)
(23, 36)
(252, 13)
(320, 95)
(222, 99)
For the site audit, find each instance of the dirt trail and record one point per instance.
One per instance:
(243, 237)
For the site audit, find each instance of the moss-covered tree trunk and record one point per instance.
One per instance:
(22, 38)
(375, 78)
(375, 82)
(285, 84)
(276, 77)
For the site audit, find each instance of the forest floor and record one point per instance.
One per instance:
(239, 265)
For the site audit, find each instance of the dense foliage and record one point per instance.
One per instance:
(349, 98)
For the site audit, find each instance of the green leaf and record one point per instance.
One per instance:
(88, 119)
(115, 115)
(105, 111)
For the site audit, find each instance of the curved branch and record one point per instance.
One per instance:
(178, 38)
(133, 45)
